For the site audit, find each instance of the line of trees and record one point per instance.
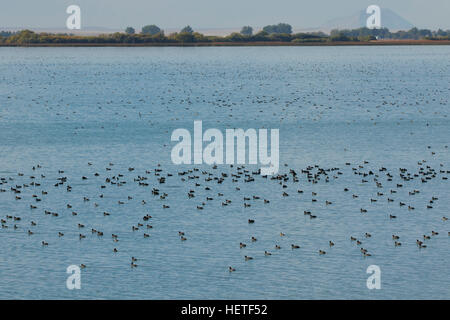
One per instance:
(6, 34)
(384, 33)
(153, 30)
(275, 33)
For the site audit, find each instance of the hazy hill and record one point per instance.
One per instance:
(389, 19)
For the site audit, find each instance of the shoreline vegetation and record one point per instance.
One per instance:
(271, 35)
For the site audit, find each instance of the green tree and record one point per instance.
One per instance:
(261, 36)
(185, 37)
(130, 30)
(151, 29)
(187, 29)
(340, 36)
(235, 37)
(24, 37)
(247, 31)
(278, 28)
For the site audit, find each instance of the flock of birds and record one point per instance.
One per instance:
(301, 91)
(33, 189)
(297, 90)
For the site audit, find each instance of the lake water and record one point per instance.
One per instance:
(116, 108)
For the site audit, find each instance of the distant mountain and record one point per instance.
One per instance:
(389, 19)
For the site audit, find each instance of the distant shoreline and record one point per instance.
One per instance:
(240, 44)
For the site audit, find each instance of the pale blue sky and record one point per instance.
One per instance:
(212, 13)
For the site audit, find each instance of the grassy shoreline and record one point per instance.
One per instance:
(238, 44)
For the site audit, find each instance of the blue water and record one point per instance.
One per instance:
(64, 107)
